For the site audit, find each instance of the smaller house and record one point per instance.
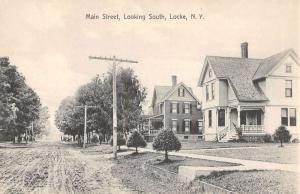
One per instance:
(176, 107)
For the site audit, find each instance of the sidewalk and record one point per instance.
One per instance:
(190, 172)
(259, 165)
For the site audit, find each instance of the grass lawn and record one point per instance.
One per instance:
(177, 161)
(287, 154)
(191, 145)
(255, 181)
(129, 169)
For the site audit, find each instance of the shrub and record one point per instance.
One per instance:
(120, 141)
(136, 140)
(268, 138)
(94, 139)
(282, 135)
(166, 141)
(295, 140)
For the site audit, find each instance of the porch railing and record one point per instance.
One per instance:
(253, 129)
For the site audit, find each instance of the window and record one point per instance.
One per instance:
(209, 118)
(209, 73)
(212, 91)
(284, 116)
(292, 117)
(186, 125)
(288, 88)
(174, 107)
(181, 92)
(174, 124)
(200, 126)
(221, 118)
(161, 108)
(186, 108)
(288, 68)
(207, 92)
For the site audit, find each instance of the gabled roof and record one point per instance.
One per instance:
(161, 93)
(267, 64)
(241, 73)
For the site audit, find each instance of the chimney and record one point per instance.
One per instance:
(244, 48)
(174, 80)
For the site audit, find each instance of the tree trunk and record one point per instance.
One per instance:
(166, 155)
(280, 142)
(136, 151)
(119, 148)
(73, 137)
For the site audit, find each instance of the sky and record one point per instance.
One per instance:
(50, 41)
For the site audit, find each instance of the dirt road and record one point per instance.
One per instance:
(56, 168)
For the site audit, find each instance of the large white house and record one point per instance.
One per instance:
(257, 95)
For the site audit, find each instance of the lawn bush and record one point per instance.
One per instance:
(268, 138)
(166, 141)
(295, 140)
(282, 135)
(94, 139)
(136, 140)
(120, 141)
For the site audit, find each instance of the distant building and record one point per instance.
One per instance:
(257, 95)
(176, 107)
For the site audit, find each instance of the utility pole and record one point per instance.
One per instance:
(32, 131)
(115, 119)
(85, 122)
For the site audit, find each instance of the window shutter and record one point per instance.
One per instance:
(183, 126)
(177, 126)
(183, 109)
(183, 90)
(178, 90)
(177, 107)
(191, 106)
(170, 124)
(171, 104)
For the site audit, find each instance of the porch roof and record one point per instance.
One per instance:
(253, 108)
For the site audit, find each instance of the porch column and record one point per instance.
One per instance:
(217, 131)
(164, 114)
(238, 116)
(227, 117)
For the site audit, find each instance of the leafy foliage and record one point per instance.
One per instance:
(15, 92)
(166, 141)
(136, 140)
(98, 92)
(282, 135)
(95, 139)
(268, 138)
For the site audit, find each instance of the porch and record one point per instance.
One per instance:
(249, 119)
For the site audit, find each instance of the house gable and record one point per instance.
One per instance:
(188, 94)
(281, 68)
(209, 74)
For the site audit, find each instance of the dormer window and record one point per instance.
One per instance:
(209, 73)
(181, 92)
(288, 68)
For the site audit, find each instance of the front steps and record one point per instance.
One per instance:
(229, 137)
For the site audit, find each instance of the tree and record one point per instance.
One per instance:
(282, 134)
(166, 141)
(136, 140)
(120, 141)
(15, 91)
(68, 119)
